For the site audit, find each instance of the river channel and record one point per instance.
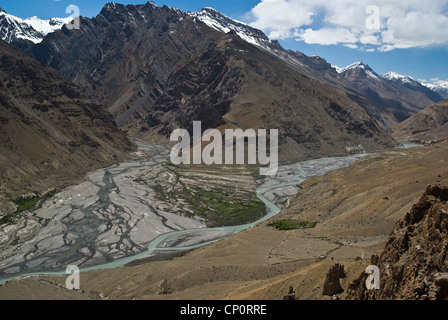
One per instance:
(110, 220)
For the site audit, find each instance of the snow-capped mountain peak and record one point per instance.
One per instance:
(225, 24)
(359, 66)
(338, 69)
(441, 85)
(47, 26)
(394, 76)
(440, 88)
(31, 30)
(356, 65)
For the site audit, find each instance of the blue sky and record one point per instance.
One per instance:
(411, 37)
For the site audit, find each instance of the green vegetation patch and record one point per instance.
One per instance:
(221, 209)
(219, 204)
(292, 225)
(25, 204)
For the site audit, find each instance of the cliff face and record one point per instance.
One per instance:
(414, 262)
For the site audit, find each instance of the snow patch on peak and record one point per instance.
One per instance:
(356, 65)
(338, 69)
(111, 5)
(212, 10)
(222, 23)
(47, 26)
(360, 66)
(178, 11)
(438, 85)
(31, 29)
(444, 85)
(395, 76)
(441, 88)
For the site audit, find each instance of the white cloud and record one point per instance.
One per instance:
(369, 39)
(402, 24)
(416, 29)
(351, 46)
(386, 48)
(281, 16)
(328, 36)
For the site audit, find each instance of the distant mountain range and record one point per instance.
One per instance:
(390, 98)
(158, 68)
(393, 97)
(441, 89)
(23, 33)
(389, 103)
(418, 95)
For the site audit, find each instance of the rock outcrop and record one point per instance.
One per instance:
(414, 264)
(332, 283)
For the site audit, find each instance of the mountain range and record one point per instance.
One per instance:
(23, 33)
(389, 99)
(393, 98)
(158, 69)
(441, 89)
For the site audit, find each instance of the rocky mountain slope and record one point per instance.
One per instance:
(23, 33)
(51, 132)
(392, 98)
(158, 69)
(222, 23)
(401, 100)
(429, 124)
(389, 98)
(414, 262)
(441, 89)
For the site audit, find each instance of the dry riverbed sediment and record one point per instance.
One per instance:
(186, 191)
(117, 211)
(108, 216)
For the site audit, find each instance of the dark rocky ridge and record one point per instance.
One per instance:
(428, 125)
(414, 262)
(125, 55)
(51, 132)
(159, 69)
(388, 100)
